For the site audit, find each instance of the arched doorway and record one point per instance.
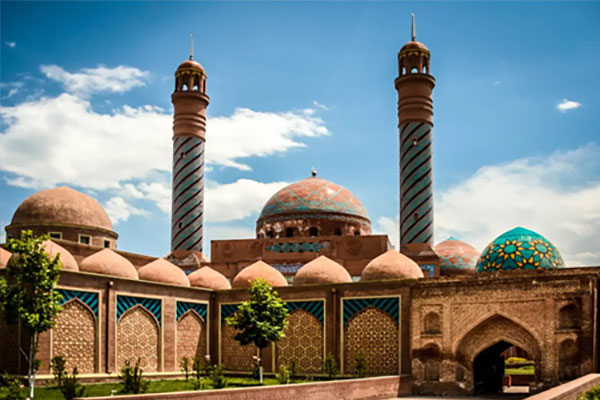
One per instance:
(488, 369)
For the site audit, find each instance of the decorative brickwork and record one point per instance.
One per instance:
(375, 333)
(235, 356)
(303, 342)
(138, 337)
(74, 337)
(191, 336)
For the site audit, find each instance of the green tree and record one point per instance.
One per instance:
(28, 295)
(260, 320)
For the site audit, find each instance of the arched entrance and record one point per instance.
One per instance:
(488, 369)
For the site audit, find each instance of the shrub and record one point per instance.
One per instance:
(131, 378)
(283, 376)
(293, 369)
(592, 394)
(330, 367)
(515, 360)
(217, 378)
(198, 367)
(58, 365)
(197, 383)
(185, 367)
(70, 386)
(361, 364)
(13, 387)
(256, 367)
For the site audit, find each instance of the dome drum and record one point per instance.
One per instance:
(311, 224)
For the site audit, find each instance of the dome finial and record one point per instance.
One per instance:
(313, 172)
(191, 46)
(413, 28)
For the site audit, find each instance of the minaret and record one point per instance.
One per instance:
(189, 128)
(415, 124)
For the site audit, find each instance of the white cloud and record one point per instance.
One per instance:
(391, 227)
(100, 79)
(119, 210)
(227, 231)
(321, 106)
(566, 105)
(10, 44)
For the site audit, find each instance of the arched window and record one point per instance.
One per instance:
(289, 232)
(313, 231)
(270, 234)
(432, 323)
(356, 233)
(569, 317)
(414, 70)
(337, 232)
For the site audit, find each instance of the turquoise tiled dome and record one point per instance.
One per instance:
(519, 248)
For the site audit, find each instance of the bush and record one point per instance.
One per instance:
(185, 367)
(70, 386)
(283, 376)
(13, 387)
(58, 365)
(330, 367)
(131, 378)
(198, 367)
(217, 378)
(592, 394)
(515, 360)
(361, 364)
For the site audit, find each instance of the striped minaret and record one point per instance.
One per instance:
(415, 123)
(189, 128)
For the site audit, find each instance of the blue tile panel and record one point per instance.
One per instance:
(428, 269)
(416, 183)
(389, 305)
(298, 247)
(88, 298)
(227, 310)
(183, 307)
(124, 303)
(519, 248)
(314, 307)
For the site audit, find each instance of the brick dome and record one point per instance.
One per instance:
(107, 262)
(208, 278)
(261, 270)
(160, 270)
(322, 270)
(4, 256)
(414, 46)
(66, 258)
(519, 248)
(190, 65)
(457, 257)
(391, 265)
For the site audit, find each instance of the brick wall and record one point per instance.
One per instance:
(191, 337)
(74, 337)
(303, 343)
(138, 337)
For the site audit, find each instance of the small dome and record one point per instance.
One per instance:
(457, 257)
(107, 262)
(391, 265)
(160, 270)
(4, 256)
(414, 45)
(208, 278)
(519, 248)
(322, 270)
(66, 258)
(188, 65)
(61, 205)
(261, 270)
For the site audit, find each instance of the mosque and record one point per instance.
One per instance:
(438, 316)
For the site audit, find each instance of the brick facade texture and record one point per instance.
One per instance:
(235, 356)
(191, 337)
(138, 337)
(74, 337)
(303, 343)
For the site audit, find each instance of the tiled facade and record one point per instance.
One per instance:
(138, 337)
(74, 337)
(303, 343)
(191, 336)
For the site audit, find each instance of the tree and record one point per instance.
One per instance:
(260, 320)
(28, 295)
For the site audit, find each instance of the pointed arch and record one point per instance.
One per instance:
(74, 336)
(191, 335)
(303, 342)
(138, 336)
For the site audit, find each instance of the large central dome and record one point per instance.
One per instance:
(310, 207)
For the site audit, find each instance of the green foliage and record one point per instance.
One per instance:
(515, 360)
(71, 388)
(283, 376)
(217, 378)
(58, 366)
(293, 367)
(185, 367)
(27, 292)
(13, 388)
(198, 367)
(330, 366)
(592, 394)
(262, 319)
(361, 364)
(198, 383)
(131, 378)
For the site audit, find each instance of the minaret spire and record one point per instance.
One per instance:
(413, 28)
(192, 46)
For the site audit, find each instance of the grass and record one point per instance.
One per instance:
(525, 370)
(162, 386)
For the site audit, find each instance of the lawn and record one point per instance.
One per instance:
(525, 370)
(105, 389)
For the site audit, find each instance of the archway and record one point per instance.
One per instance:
(488, 369)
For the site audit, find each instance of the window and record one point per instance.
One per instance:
(55, 235)
(270, 234)
(289, 232)
(313, 231)
(337, 232)
(85, 239)
(107, 244)
(356, 233)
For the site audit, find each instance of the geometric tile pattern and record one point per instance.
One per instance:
(303, 342)
(191, 337)
(74, 337)
(296, 247)
(227, 310)
(389, 305)
(138, 337)
(183, 307)
(456, 255)
(124, 303)
(373, 332)
(188, 193)
(416, 183)
(235, 356)
(311, 195)
(519, 248)
(313, 307)
(88, 298)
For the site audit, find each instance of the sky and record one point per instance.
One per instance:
(85, 102)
